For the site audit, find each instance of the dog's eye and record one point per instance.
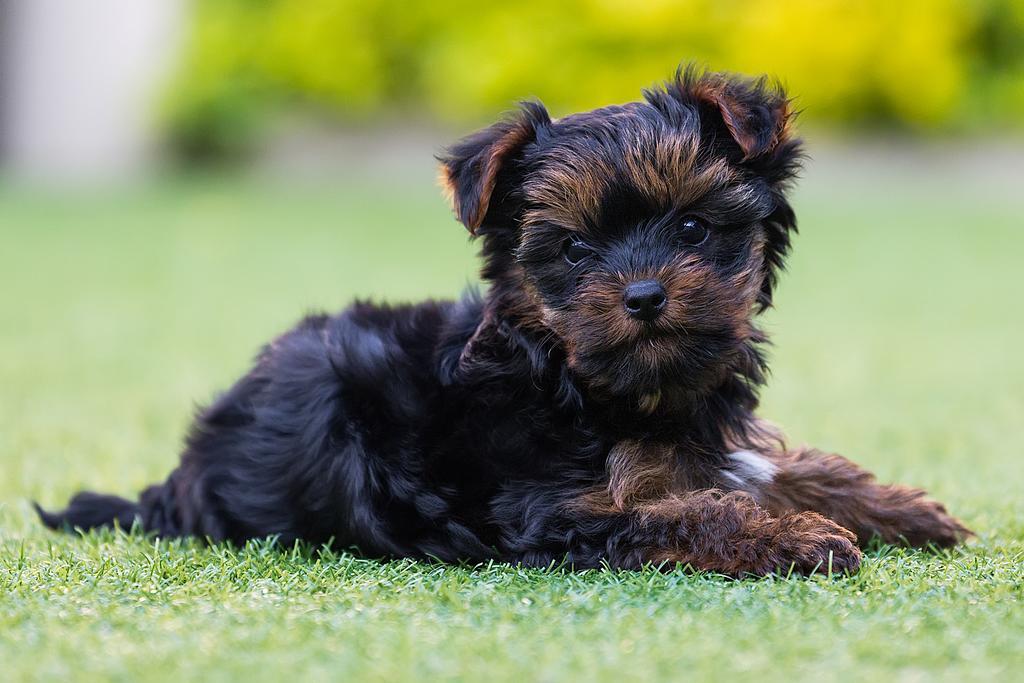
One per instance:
(692, 231)
(576, 251)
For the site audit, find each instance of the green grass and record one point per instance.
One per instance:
(897, 338)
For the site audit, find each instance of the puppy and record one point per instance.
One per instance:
(597, 405)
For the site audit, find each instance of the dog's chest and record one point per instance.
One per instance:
(641, 471)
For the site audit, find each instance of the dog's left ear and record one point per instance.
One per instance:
(471, 168)
(756, 115)
(755, 111)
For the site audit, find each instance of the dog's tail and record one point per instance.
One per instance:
(87, 510)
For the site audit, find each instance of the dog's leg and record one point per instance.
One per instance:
(709, 530)
(831, 485)
(731, 534)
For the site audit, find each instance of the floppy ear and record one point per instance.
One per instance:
(470, 168)
(755, 111)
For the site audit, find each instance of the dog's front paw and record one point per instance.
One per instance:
(807, 543)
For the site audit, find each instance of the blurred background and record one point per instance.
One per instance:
(180, 180)
(95, 88)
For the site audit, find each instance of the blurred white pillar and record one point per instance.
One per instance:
(79, 81)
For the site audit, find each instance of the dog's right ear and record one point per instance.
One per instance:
(470, 168)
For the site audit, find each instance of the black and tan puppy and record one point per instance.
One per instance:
(596, 405)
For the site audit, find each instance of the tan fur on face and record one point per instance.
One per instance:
(699, 301)
(667, 170)
(568, 193)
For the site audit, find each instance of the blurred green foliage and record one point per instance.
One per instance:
(919, 65)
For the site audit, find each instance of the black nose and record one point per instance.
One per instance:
(645, 300)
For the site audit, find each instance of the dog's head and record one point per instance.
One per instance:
(646, 236)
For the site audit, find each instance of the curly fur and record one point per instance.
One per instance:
(541, 423)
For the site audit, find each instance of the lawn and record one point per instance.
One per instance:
(898, 342)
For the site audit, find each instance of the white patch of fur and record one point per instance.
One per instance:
(749, 468)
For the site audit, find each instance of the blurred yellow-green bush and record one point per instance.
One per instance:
(919, 65)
